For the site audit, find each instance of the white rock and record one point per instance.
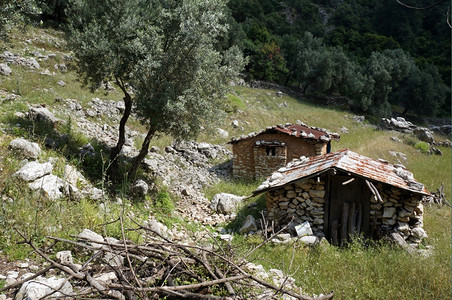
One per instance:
(226, 237)
(225, 203)
(34, 170)
(223, 133)
(29, 149)
(248, 225)
(91, 236)
(418, 232)
(157, 227)
(107, 278)
(65, 257)
(40, 287)
(5, 70)
(309, 239)
(51, 185)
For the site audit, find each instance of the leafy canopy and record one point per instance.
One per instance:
(165, 51)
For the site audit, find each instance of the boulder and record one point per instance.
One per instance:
(424, 135)
(140, 187)
(5, 70)
(91, 236)
(52, 186)
(222, 133)
(34, 170)
(27, 148)
(43, 288)
(225, 203)
(42, 114)
(249, 225)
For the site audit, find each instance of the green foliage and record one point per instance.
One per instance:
(165, 51)
(423, 147)
(13, 12)
(164, 203)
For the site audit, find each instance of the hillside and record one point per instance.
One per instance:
(38, 73)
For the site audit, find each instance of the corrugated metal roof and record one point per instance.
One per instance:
(297, 130)
(347, 161)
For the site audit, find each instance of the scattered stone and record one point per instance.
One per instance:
(309, 239)
(249, 225)
(29, 149)
(359, 119)
(64, 257)
(235, 123)
(225, 203)
(52, 186)
(222, 133)
(140, 187)
(396, 139)
(61, 83)
(155, 149)
(34, 170)
(424, 134)
(92, 237)
(401, 157)
(5, 70)
(158, 227)
(226, 237)
(344, 130)
(41, 287)
(42, 114)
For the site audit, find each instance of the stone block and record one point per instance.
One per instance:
(389, 212)
(317, 193)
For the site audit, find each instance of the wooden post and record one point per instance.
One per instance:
(344, 222)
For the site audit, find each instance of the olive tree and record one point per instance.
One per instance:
(162, 54)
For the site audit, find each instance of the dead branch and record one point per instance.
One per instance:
(161, 268)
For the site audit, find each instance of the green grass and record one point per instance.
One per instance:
(377, 271)
(360, 271)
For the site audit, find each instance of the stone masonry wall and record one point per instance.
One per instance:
(243, 152)
(400, 212)
(265, 164)
(304, 200)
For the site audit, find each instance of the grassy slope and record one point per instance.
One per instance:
(356, 273)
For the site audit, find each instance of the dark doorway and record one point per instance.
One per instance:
(348, 208)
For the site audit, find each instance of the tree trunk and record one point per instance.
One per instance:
(143, 152)
(112, 169)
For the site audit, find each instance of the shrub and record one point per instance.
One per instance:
(423, 147)
(164, 202)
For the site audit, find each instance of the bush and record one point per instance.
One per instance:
(164, 202)
(423, 147)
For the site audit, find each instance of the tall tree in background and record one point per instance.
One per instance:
(161, 50)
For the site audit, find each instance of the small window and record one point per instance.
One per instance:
(270, 151)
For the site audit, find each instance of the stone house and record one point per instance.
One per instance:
(258, 154)
(343, 193)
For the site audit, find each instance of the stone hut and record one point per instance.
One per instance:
(258, 154)
(343, 193)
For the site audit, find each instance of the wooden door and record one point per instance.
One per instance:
(348, 208)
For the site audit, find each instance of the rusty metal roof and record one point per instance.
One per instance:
(297, 130)
(347, 161)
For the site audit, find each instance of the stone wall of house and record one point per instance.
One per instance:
(400, 212)
(303, 200)
(265, 163)
(244, 155)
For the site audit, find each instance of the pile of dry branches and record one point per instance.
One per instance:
(438, 197)
(160, 268)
